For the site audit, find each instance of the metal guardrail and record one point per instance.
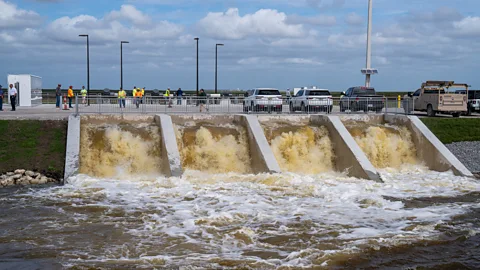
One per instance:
(236, 105)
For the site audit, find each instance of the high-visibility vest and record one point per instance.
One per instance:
(167, 93)
(134, 93)
(138, 93)
(122, 94)
(143, 91)
(70, 92)
(83, 92)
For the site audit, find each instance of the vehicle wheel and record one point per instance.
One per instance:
(303, 108)
(456, 115)
(342, 109)
(430, 111)
(291, 107)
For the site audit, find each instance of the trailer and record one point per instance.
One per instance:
(29, 88)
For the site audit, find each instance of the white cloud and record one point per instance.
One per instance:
(13, 17)
(354, 19)
(264, 22)
(270, 60)
(467, 26)
(111, 28)
(130, 13)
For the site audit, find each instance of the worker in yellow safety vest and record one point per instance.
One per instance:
(70, 96)
(121, 97)
(83, 92)
(167, 96)
(138, 97)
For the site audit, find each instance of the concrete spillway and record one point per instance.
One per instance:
(108, 146)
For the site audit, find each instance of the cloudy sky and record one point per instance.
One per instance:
(268, 43)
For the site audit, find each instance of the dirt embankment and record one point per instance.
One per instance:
(33, 145)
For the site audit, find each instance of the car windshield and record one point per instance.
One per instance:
(366, 91)
(318, 93)
(269, 92)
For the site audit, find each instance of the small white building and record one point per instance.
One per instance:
(29, 88)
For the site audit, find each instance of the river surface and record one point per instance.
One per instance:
(416, 219)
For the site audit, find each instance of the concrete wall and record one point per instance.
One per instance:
(170, 154)
(72, 155)
(263, 159)
(349, 156)
(430, 149)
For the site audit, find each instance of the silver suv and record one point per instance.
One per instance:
(312, 101)
(263, 99)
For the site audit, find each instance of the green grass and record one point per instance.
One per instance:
(454, 130)
(32, 145)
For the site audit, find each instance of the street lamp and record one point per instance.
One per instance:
(88, 67)
(121, 62)
(368, 71)
(197, 39)
(216, 60)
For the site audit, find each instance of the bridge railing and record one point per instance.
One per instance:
(235, 105)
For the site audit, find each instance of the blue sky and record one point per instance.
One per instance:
(268, 43)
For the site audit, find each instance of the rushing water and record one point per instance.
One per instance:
(386, 146)
(125, 215)
(301, 149)
(284, 221)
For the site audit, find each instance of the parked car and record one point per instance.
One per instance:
(312, 100)
(263, 99)
(473, 100)
(361, 98)
(434, 97)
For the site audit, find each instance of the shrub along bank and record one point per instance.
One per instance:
(36, 145)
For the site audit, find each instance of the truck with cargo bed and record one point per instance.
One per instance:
(434, 97)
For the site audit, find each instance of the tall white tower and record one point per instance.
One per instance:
(368, 71)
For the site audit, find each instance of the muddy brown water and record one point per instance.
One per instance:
(417, 219)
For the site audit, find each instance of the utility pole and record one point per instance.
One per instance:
(216, 60)
(368, 71)
(197, 39)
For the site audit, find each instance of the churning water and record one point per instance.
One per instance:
(237, 220)
(386, 146)
(241, 221)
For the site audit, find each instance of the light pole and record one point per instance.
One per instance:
(88, 68)
(368, 71)
(216, 60)
(197, 39)
(121, 62)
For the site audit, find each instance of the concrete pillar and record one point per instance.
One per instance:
(263, 159)
(170, 154)
(349, 156)
(72, 155)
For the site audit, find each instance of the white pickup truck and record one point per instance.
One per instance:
(434, 97)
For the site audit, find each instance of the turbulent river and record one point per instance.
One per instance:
(286, 221)
(220, 216)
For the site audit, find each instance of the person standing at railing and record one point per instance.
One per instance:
(138, 97)
(83, 92)
(70, 96)
(58, 95)
(143, 94)
(1, 98)
(179, 96)
(167, 97)
(202, 96)
(121, 97)
(134, 94)
(12, 92)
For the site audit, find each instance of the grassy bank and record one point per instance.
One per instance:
(33, 145)
(450, 130)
